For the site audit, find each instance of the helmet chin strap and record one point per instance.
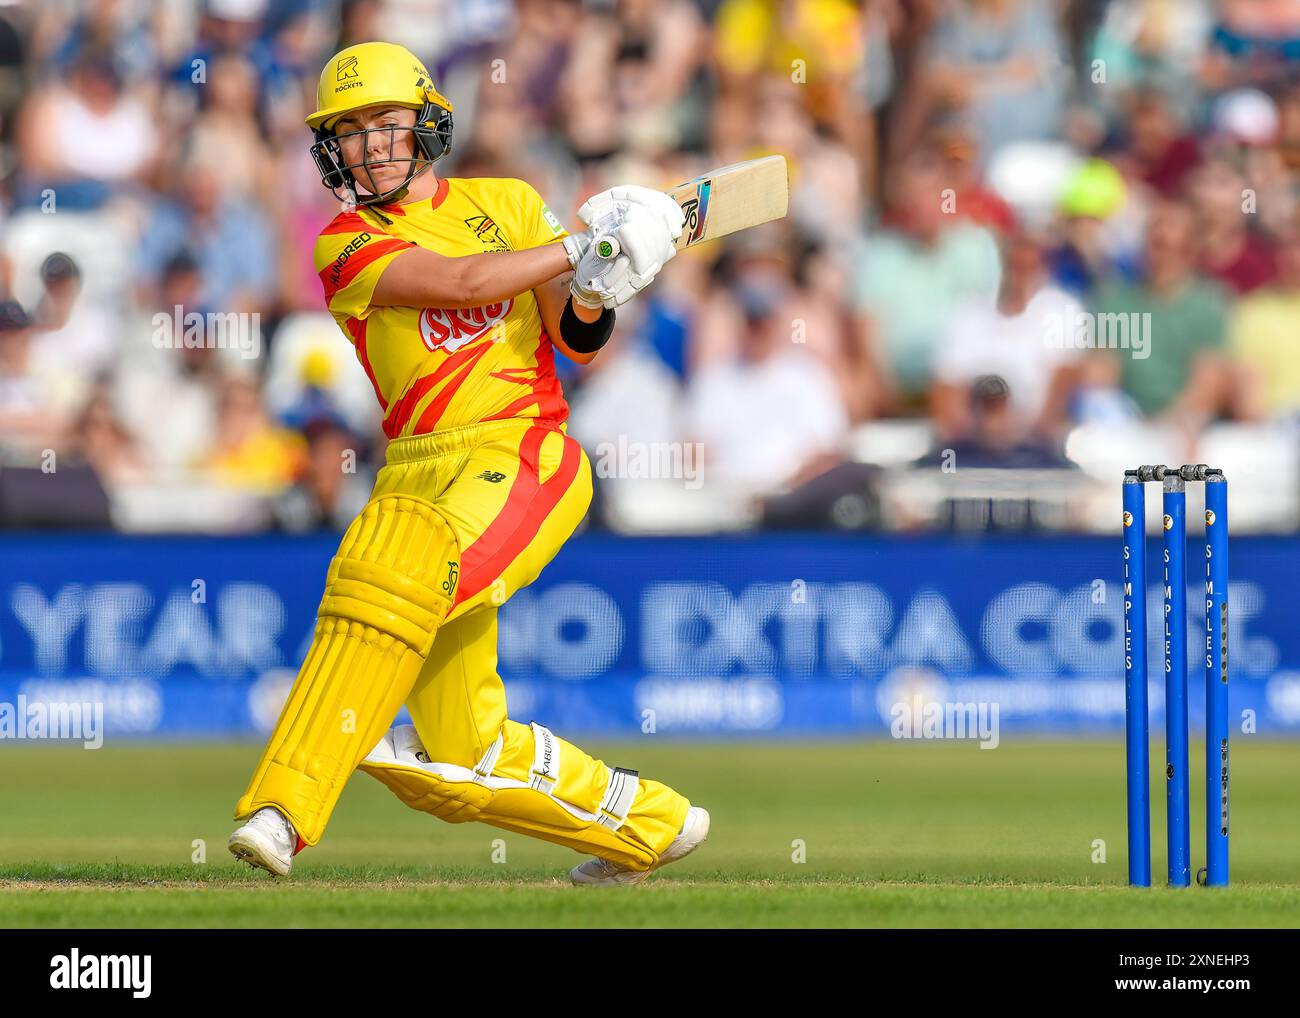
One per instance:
(397, 193)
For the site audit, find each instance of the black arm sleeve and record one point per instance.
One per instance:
(585, 337)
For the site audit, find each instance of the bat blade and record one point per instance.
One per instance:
(733, 198)
(725, 200)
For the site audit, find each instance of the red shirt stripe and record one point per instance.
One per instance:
(545, 393)
(438, 405)
(335, 277)
(347, 222)
(405, 407)
(526, 508)
(357, 330)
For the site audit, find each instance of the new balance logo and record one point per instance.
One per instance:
(491, 475)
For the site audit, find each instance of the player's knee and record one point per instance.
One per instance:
(395, 571)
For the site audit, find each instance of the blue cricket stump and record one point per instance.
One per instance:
(1174, 625)
(1177, 795)
(1136, 735)
(1216, 680)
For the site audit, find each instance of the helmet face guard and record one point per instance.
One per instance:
(431, 138)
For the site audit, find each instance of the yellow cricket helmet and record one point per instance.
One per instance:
(369, 74)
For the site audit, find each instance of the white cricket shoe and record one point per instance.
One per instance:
(267, 841)
(602, 873)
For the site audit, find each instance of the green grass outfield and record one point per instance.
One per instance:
(895, 834)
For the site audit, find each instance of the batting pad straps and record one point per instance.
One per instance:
(619, 795)
(545, 771)
(483, 769)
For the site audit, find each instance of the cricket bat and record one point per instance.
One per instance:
(726, 200)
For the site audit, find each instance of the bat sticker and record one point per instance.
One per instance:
(698, 217)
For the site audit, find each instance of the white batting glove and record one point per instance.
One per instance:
(619, 264)
(631, 237)
(575, 246)
(602, 218)
(625, 195)
(601, 282)
(646, 241)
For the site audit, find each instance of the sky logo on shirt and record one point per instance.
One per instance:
(450, 329)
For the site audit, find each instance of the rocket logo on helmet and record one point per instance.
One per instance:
(377, 74)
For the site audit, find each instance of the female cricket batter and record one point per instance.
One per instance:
(454, 292)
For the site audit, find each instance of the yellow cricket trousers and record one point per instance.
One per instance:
(458, 521)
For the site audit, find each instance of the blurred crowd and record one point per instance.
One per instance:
(1009, 219)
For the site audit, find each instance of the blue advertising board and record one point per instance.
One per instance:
(788, 635)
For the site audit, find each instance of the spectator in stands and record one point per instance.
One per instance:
(999, 64)
(1264, 339)
(1159, 152)
(12, 55)
(167, 396)
(771, 416)
(1245, 134)
(332, 485)
(231, 237)
(227, 132)
(913, 274)
(1097, 214)
(29, 420)
(1288, 141)
(826, 181)
(69, 330)
(111, 27)
(515, 109)
(359, 21)
(627, 391)
(85, 138)
(1025, 339)
(766, 261)
(1254, 42)
(958, 149)
(1173, 370)
(994, 434)
(284, 59)
(820, 41)
(249, 450)
(223, 26)
(1149, 42)
(100, 439)
(1229, 250)
(647, 55)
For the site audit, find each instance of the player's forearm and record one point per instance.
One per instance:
(584, 313)
(555, 305)
(421, 278)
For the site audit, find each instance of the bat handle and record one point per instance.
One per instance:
(607, 246)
